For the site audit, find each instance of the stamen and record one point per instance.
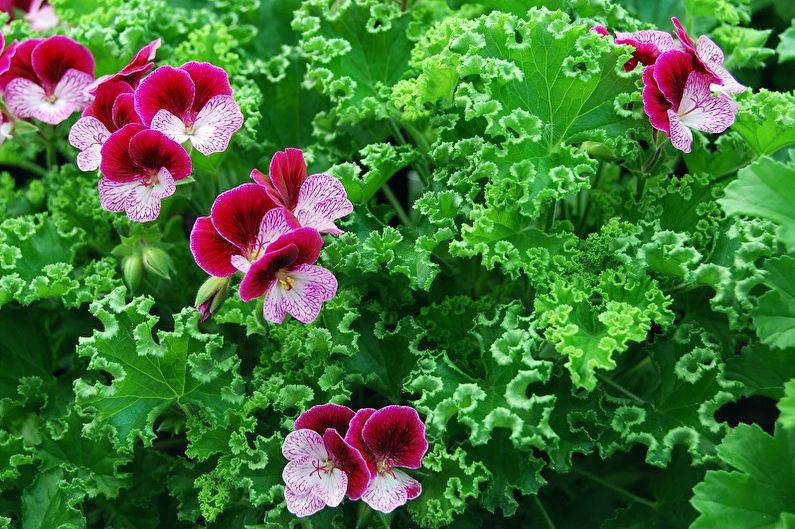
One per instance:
(285, 281)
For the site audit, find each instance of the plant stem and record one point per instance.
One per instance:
(28, 166)
(641, 189)
(401, 213)
(616, 488)
(547, 520)
(595, 185)
(550, 216)
(422, 167)
(620, 388)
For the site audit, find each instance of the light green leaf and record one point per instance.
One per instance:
(775, 315)
(786, 45)
(787, 406)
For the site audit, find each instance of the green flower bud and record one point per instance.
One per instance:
(211, 296)
(157, 261)
(132, 269)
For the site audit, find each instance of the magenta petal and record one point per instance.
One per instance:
(671, 71)
(116, 162)
(287, 174)
(20, 64)
(684, 38)
(238, 212)
(123, 111)
(166, 88)
(212, 252)
(354, 436)
(655, 104)
(308, 241)
(6, 54)
(262, 274)
(153, 150)
(323, 416)
(102, 106)
(53, 57)
(396, 434)
(210, 81)
(140, 64)
(350, 461)
(600, 30)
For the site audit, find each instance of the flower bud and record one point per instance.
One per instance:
(211, 296)
(132, 269)
(157, 261)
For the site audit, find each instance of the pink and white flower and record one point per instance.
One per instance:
(648, 44)
(709, 59)
(242, 222)
(135, 70)
(47, 79)
(111, 109)
(677, 97)
(38, 13)
(388, 438)
(191, 103)
(140, 167)
(315, 201)
(324, 416)
(287, 273)
(320, 470)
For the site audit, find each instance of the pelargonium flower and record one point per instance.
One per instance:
(709, 59)
(111, 109)
(242, 222)
(38, 13)
(140, 167)
(135, 70)
(193, 102)
(648, 44)
(321, 470)
(677, 98)
(47, 79)
(287, 273)
(316, 201)
(324, 416)
(391, 437)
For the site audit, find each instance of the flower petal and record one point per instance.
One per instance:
(241, 263)
(670, 72)
(237, 214)
(700, 110)
(354, 437)
(349, 460)
(655, 104)
(312, 285)
(303, 442)
(143, 204)
(396, 434)
(302, 505)
(712, 57)
(321, 201)
(385, 493)
(209, 80)
(134, 71)
(113, 196)
(211, 252)
(272, 308)
(152, 151)
(261, 276)
(26, 99)
(170, 125)
(165, 186)
(20, 63)
(72, 88)
(166, 88)
(331, 486)
(301, 474)
(104, 101)
(88, 134)
(123, 111)
(52, 58)
(215, 124)
(275, 223)
(648, 44)
(287, 174)
(323, 416)
(681, 136)
(116, 162)
(6, 54)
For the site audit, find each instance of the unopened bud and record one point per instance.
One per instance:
(157, 261)
(597, 149)
(132, 268)
(211, 296)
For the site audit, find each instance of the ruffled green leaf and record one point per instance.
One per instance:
(775, 315)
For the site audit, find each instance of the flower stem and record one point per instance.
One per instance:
(621, 490)
(547, 520)
(399, 211)
(50, 148)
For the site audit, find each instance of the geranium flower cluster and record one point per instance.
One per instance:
(134, 128)
(335, 452)
(269, 231)
(685, 83)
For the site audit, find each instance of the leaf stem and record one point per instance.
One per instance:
(547, 520)
(610, 382)
(28, 166)
(399, 211)
(621, 490)
(50, 147)
(422, 167)
(550, 216)
(589, 204)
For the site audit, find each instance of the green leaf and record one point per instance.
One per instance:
(50, 503)
(759, 490)
(183, 367)
(765, 120)
(786, 45)
(787, 406)
(762, 370)
(775, 314)
(765, 189)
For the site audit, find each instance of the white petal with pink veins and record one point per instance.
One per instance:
(114, 196)
(88, 134)
(240, 262)
(311, 286)
(304, 442)
(307, 475)
(712, 55)
(26, 99)
(302, 504)
(142, 205)
(275, 223)
(331, 486)
(681, 136)
(170, 125)
(385, 492)
(215, 124)
(272, 307)
(321, 201)
(165, 186)
(699, 109)
(412, 486)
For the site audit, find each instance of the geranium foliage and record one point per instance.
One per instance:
(397, 263)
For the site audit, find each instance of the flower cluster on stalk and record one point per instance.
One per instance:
(335, 452)
(685, 85)
(270, 231)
